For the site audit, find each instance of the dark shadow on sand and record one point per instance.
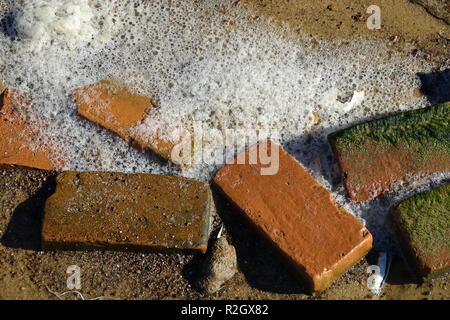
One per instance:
(400, 273)
(436, 86)
(24, 229)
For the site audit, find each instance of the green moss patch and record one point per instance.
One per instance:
(425, 218)
(427, 131)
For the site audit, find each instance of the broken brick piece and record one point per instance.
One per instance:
(422, 223)
(112, 106)
(118, 211)
(297, 214)
(380, 155)
(18, 139)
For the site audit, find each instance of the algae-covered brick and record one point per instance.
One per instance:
(423, 226)
(143, 212)
(406, 148)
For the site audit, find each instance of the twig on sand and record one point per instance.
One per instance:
(78, 293)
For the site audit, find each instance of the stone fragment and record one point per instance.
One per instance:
(422, 223)
(219, 266)
(380, 155)
(118, 211)
(112, 106)
(19, 143)
(296, 214)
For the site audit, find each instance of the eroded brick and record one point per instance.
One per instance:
(117, 211)
(112, 106)
(381, 155)
(422, 223)
(19, 145)
(297, 215)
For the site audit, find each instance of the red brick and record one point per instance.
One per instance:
(117, 211)
(298, 216)
(18, 144)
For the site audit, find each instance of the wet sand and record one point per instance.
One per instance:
(404, 24)
(28, 273)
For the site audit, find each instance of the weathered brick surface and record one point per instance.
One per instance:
(99, 210)
(375, 156)
(298, 216)
(423, 226)
(112, 106)
(18, 143)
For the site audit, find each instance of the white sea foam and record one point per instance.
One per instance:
(43, 22)
(197, 67)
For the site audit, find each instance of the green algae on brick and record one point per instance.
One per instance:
(118, 211)
(374, 156)
(423, 224)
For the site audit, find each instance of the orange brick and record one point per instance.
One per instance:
(297, 215)
(383, 155)
(18, 145)
(112, 106)
(118, 211)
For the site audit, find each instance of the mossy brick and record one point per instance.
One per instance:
(19, 143)
(381, 155)
(118, 211)
(113, 106)
(296, 214)
(422, 223)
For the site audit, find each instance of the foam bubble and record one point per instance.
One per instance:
(200, 68)
(43, 22)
